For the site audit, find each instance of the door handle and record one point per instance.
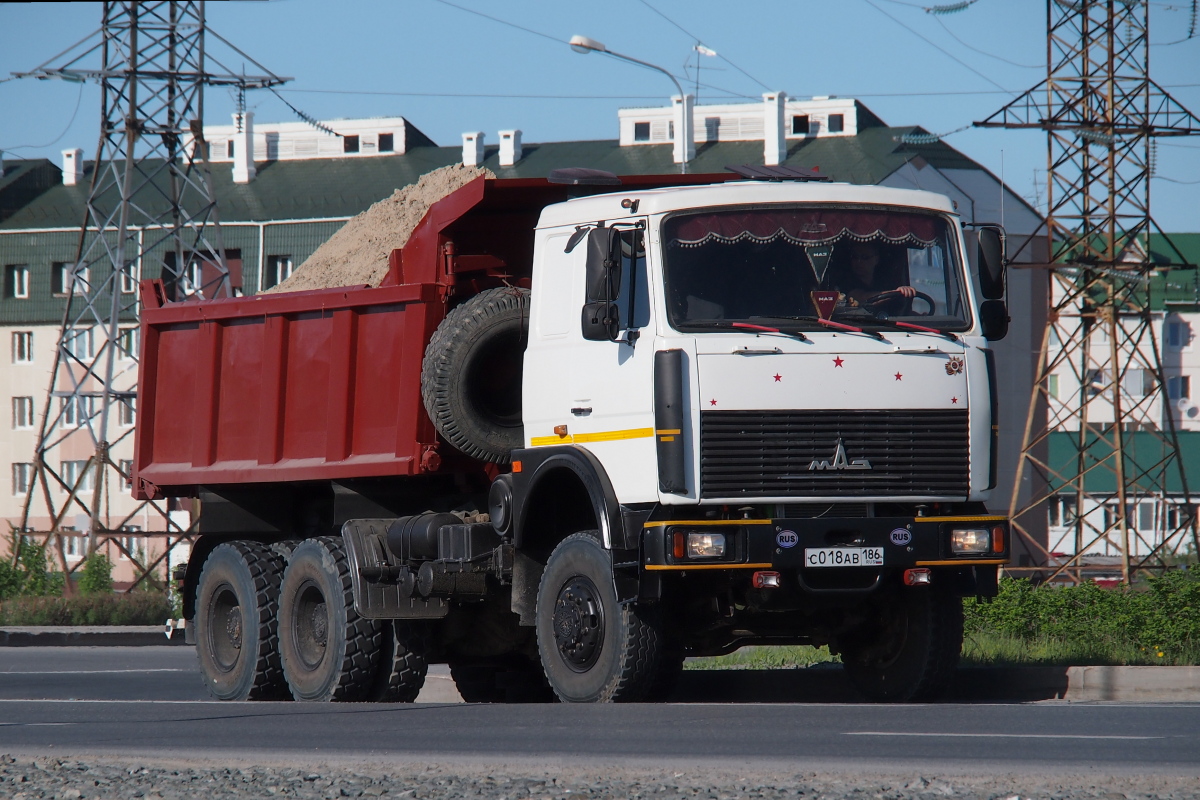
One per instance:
(581, 412)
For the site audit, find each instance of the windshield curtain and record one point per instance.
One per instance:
(747, 265)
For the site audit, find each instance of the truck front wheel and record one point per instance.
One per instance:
(593, 649)
(329, 652)
(237, 639)
(910, 650)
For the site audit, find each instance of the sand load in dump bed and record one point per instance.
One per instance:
(358, 253)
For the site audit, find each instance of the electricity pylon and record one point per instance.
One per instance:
(1100, 384)
(150, 204)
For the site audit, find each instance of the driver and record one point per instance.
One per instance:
(865, 278)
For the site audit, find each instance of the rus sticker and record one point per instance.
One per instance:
(901, 536)
(787, 538)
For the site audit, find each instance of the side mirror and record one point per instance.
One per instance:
(601, 319)
(994, 319)
(991, 263)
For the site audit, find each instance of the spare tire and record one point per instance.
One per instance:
(471, 376)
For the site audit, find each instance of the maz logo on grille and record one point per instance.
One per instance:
(840, 461)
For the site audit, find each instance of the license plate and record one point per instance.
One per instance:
(843, 556)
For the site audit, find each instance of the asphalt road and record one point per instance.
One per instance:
(148, 700)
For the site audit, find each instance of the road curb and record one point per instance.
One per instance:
(89, 636)
(970, 684)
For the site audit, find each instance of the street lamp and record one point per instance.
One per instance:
(582, 44)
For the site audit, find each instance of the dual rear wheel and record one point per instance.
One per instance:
(268, 629)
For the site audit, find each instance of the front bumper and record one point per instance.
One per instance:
(782, 544)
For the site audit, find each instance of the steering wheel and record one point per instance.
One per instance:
(880, 301)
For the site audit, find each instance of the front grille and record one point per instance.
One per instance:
(768, 453)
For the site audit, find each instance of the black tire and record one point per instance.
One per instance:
(504, 679)
(237, 635)
(593, 649)
(666, 678)
(471, 375)
(911, 652)
(328, 651)
(403, 662)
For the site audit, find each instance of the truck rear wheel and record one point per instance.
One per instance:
(471, 375)
(403, 663)
(911, 652)
(328, 651)
(237, 638)
(593, 649)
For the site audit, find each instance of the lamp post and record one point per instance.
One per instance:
(582, 44)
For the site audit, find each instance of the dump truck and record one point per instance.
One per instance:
(587, 427)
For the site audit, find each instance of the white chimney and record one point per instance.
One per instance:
(243, 148)
(774, 135)
(510, 148)
(72, 168)
(685, 139)
(473, 149)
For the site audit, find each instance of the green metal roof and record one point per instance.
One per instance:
(342, 187)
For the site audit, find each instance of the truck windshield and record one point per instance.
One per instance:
(845, 263)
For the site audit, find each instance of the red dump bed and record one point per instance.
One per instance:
(326, 384)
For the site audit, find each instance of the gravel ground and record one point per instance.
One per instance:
(24, 778)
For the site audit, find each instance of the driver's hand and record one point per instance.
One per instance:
(907, 291)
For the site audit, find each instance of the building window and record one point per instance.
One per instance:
(387, 143)
(127, 411)
(1179, 387)
(1139, 382)
(78, 472)
(72, 547)
(127, 344)
(279, 269)
(16, 281)
(641, 131)
(1098, 382)
(78, 343)
(837, 123)
(131, 544)
(800, 125)
(22, 479)
(64, 279)
(76, 411)
(349, 144)
(22, 347)
(129, 279)
(229, 149)
(1178, 333)
(1052, 386)
(126, 467)
(22, 418)
(1061, 510)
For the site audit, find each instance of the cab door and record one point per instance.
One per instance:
(598, 394)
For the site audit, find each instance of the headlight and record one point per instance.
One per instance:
(706, 545)
(970, 540)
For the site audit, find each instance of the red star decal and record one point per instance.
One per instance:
(899, 376)
(954, 400)
(837, 362)
(712, 402)
(778, 378)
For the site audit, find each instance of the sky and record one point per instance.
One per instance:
(450, 66)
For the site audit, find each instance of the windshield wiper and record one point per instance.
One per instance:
(910, 326)
(766, 329)
(828, 323)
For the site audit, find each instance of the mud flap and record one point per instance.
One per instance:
(383, 586)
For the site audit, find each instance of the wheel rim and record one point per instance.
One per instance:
(225, 628)
(311, 624)
(579, 623)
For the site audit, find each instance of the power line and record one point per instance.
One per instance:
(483, 96)
(946, 28)
(935, 46)
(501, 21)
(56, 139)
(691, 35)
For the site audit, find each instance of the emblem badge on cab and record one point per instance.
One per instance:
(840, 461)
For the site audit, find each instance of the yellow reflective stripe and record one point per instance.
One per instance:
(659, 567)
(958, 561)
(583, 438)
(730, 522)
(960, 519)
(669, 432)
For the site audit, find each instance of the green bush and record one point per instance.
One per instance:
(135, 608)
(31, 576)
(1157, 622)
(96, 575)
